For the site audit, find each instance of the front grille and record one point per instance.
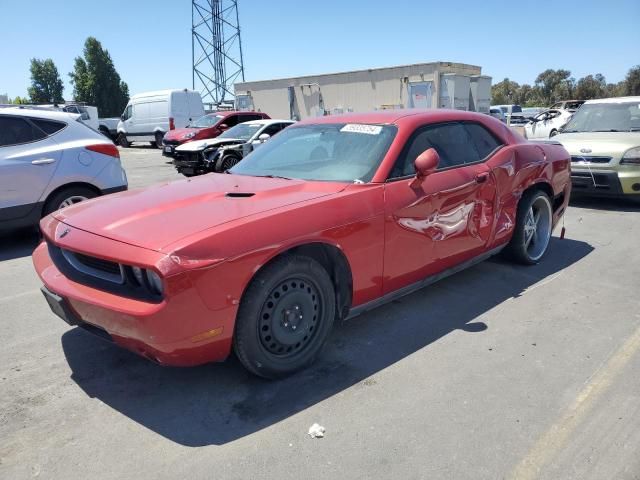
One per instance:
(576, 158)
(100, 274)
(187, 159)
(170, 142)
(98, 263)
(93, 266)
(598, 181)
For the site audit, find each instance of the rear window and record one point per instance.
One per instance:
(516, 109)
(48, 126)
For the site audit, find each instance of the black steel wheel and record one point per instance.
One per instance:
(285, 317)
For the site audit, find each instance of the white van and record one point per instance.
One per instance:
(148, 116)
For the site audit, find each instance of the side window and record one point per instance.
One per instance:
(232, 120)
(14, 131)
(456, 143)
(128, 112)
(273, 129)
(484, 142)
(48, 126)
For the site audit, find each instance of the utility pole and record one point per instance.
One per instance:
(216, 50)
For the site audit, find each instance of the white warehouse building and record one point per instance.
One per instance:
(422, 85)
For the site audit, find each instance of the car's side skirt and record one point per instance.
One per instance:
(365, 307)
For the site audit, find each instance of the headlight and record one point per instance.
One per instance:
(189, 135)
(146, 280)
(155, 282)
(631, 157)
(137, 273)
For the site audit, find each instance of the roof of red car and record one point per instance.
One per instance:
(392, 116)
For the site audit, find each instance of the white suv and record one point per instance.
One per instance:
(50, 160)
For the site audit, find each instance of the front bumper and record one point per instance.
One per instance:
(605, 182)
(181, 330)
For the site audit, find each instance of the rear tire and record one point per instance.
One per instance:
(122, 140)
(67, 197)
(553, 133)
(285, 317)
(532, 232)
(158, 142)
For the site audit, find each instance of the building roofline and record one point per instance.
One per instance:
(348, 72)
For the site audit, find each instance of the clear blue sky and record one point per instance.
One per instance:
(150, 41)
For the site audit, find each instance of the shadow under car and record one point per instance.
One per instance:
(219, 403)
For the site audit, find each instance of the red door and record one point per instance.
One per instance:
(446, 220)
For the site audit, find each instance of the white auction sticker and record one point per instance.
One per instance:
(358, 128)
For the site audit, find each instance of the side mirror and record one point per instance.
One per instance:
(264, 137)
(122, 117)
(425, 164)
(223, 126)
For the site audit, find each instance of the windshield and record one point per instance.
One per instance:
(605, 117)
(242, 131)
(516, 109)
(206, 121)
(329, 152)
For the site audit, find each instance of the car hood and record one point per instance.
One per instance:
(160, 215)
(198, 145)
(611, 144)
(179, 132)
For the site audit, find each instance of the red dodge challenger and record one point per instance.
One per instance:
(332, 217)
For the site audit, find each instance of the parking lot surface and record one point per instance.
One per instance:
(500, 371)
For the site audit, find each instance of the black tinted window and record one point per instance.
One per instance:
(48, 126)
(484, 141)
(451, 141)
(14, 131)
(273, 129)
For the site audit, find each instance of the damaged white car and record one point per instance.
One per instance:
(223, 152)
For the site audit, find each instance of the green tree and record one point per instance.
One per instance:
(554, 85)
(46, 85)
(632, 82)
(591, 87)
(505, 92)
(20, 100)
(96, 81)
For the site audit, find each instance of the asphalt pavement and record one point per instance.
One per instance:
(500, 371)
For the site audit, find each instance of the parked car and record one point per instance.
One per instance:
(530, 112)
(148, 116)
(50, 160)
(571, 105)
(207, 126)
(512, 114)
(334, 216)
(496, 112)
(603, 137)
(109, 127)
(221, 153)
(547, 124)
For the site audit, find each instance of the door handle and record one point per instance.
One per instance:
(43, 161)
(482, 177)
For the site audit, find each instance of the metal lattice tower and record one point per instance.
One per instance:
(216, 49)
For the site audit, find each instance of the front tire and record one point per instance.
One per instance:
(553, 133)
(158, 142)
(285, 317)
(122, 140)
(532, 233)
(225, 162)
